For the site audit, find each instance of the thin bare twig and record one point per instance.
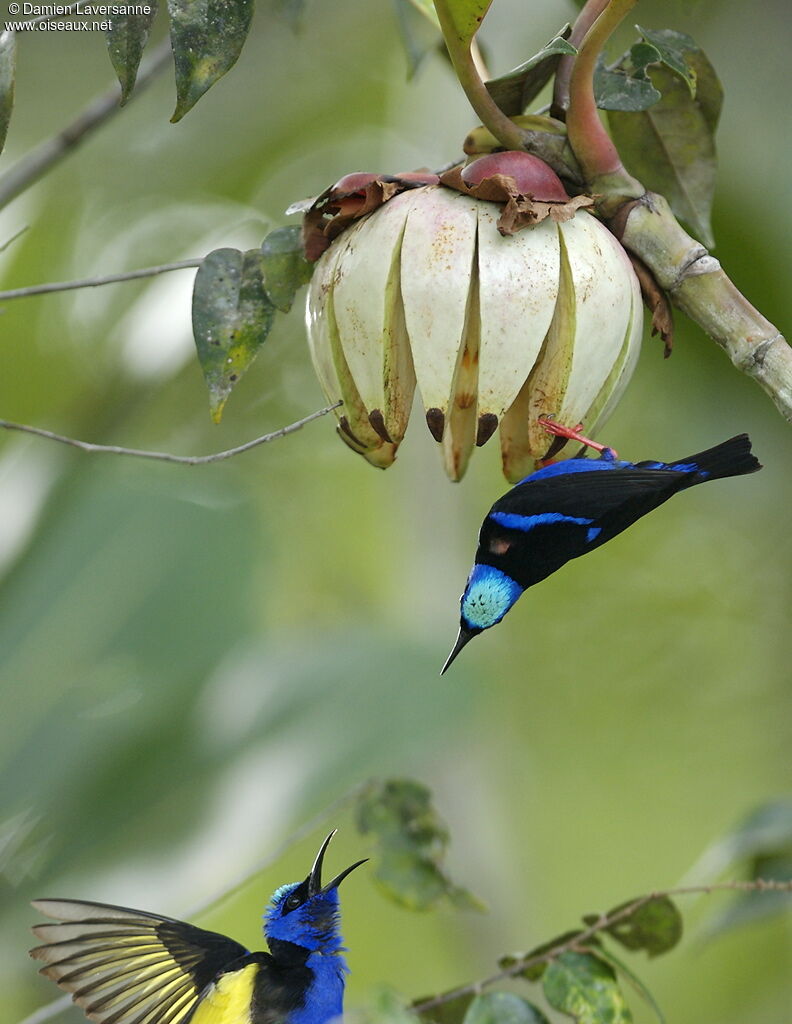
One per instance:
(38, 161)
(93, 282)
(604, 921)
(182, 460)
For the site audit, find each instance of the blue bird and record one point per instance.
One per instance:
(566, 509)
(130, 967)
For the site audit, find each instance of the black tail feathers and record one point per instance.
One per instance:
(730, 458)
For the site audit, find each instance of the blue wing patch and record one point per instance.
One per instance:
(513, 521)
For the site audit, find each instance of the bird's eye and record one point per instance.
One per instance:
(293, 902)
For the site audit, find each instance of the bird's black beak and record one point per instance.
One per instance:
(464, 636)
(314, 880)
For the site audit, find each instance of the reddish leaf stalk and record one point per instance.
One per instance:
(599, 159)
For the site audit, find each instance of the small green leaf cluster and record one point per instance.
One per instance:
(411, 843)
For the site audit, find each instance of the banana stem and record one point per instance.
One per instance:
(460, 52)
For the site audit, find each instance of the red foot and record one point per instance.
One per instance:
(572, 433)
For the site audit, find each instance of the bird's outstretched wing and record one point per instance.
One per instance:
(127, 966)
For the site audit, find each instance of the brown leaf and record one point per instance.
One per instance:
(519, 211)
(334, 210)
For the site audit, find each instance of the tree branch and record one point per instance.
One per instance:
(93, 282)
(697, 284)
(38, 161)
(182, 460)
(603, 922)
(646, 227)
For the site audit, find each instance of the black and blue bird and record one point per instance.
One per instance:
(131, 967)
(566, 509)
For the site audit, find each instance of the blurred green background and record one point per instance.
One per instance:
(193, 662)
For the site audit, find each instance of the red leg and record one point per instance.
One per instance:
(572, 433)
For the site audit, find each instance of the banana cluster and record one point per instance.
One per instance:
(494, 330)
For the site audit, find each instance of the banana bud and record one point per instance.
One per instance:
(499, 314)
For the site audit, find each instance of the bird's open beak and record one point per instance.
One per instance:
(463, 637)
(315, 886)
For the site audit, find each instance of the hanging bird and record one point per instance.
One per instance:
(131, 967)
(568, 508)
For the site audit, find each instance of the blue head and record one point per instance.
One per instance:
(489, 593)
(307, 913)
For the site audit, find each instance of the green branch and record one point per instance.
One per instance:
(182, 460)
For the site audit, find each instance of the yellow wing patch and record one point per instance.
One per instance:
(126, 966)
(228, 1001)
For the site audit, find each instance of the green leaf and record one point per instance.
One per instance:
(670, 147)
(284, 268)
(7, 81)
(207, 37)
(465, 16)
(503, 1008)
(585, 988)
(419, 34)
(673, 49)
(622, 89)
(412, 841)
(232, 317)
(634, 980)
(533, 972)
(517, 88)
(641, 56)
(655, 926)
(126, 39)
